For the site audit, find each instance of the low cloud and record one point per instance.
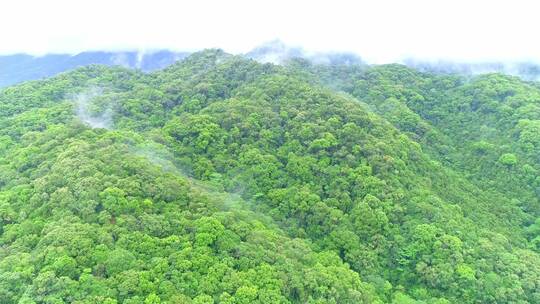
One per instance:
(87, 111)
(276, 52)
(529, 71)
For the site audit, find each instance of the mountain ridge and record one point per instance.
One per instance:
(359, 205)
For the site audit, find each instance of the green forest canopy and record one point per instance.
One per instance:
(222, 180)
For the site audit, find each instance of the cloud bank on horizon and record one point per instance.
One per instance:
(379, 31)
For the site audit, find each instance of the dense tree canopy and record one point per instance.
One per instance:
(222, 180)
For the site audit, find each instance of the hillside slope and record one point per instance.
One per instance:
(219, 179)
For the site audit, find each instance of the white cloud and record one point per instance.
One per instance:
(380, 31)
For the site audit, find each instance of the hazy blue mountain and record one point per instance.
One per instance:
(21, 67)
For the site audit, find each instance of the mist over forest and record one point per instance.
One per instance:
(21, 67)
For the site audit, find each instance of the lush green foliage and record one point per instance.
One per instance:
(221, 180)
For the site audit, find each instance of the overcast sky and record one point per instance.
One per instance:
(379, 31)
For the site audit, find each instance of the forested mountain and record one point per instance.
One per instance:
(223, 180)
(22, 67)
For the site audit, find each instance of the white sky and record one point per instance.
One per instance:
(379, 31)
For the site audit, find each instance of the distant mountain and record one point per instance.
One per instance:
(21, 67)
